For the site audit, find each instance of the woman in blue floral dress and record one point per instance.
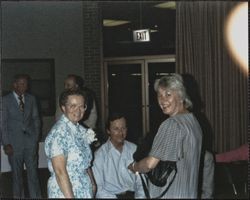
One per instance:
(68, 151)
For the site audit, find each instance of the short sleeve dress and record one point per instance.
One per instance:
(179, 139)
(67, 139)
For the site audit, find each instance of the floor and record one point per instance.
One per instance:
(5, 183)
(223, 189)
(231, 180)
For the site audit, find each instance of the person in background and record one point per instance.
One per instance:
(179, 139)
(67, 148)
(207, 188)
(73, 82)
(20, 133)
(112, 177)
(206, 172)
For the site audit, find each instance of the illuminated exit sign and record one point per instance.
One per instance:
(141, 35)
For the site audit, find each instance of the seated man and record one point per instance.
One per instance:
(112, 177)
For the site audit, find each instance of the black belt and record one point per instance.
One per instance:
(126, 195)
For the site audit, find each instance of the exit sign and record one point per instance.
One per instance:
(141, 35)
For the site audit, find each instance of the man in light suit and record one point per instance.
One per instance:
(21, 125)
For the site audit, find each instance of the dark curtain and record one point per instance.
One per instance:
(201, 52)
(1, 182)
(0, 83)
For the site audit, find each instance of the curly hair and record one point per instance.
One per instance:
(63, 99)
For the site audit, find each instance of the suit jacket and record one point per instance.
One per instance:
(20, 129)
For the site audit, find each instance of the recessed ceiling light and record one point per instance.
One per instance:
(168, 5)
(111, 22)
(153, 30)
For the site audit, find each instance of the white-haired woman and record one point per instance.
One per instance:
(179, 139)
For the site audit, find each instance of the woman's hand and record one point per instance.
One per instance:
(131, 167)
(144, 165)
(94, 189)
(91, 176)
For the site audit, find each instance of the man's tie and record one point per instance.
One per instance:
(21, 103)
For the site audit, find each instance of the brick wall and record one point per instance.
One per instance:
(92, 48)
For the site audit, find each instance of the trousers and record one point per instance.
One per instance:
(27, 156)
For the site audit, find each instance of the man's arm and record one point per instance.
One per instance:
(99, 174)
(5, 136)
(36, 118)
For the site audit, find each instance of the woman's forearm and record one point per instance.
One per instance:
(93, 182)
(91, 176)
(65, 184)
(144, 165)
(62, 176)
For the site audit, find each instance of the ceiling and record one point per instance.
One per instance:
(118, 40)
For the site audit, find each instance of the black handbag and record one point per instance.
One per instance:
(126, 195)
(159, 176)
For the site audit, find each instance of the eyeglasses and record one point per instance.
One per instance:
(76, 107)
(116, 129)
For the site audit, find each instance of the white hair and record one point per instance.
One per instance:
(174, 82)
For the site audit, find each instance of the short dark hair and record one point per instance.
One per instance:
(63, 98)
(114, 116)
(78, 80)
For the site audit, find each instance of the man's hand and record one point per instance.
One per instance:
(8, 149)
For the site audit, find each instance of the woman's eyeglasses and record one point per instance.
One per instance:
(76, 107)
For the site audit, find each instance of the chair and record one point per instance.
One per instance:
(233, 174)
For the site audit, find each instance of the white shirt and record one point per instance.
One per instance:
(111, 173)
(17, 99)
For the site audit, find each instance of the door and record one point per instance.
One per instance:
(125, 94)
(155, 70)
(129, 89)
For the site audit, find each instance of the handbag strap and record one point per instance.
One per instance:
(145, 187)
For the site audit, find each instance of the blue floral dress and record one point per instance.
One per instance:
(66, 138)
